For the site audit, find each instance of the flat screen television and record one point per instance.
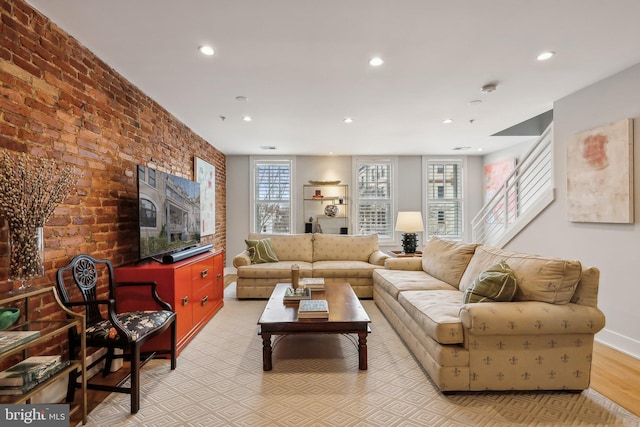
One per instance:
(169, 213)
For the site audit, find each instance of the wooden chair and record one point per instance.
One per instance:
(126, 331)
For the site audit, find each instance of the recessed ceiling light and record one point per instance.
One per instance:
(330, 153)
(246, 118)
(461, 148)
(480, 149)
(447, 121)
(376, 61)
(268, 147)
(475, 102)
(241, 98)
(545, 55)
(348, 120)
(206, 50)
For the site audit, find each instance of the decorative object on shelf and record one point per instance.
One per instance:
(409, 223)
(13, 339)
(336, 182)
(331, 210)
(318, 195)
(8, 315)
(295, 274)
(30, 190)
(341, 200)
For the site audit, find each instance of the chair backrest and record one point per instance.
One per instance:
(84, 272)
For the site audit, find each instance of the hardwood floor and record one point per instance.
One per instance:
(613, 374)
(616, 376)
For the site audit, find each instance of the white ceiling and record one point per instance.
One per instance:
(303, 65)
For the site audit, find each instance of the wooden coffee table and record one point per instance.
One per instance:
(346, 316)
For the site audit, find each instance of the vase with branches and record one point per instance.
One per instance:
(30, 190)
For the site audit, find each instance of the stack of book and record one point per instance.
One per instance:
(23, 376)
(13, 339)
(313, 283)
(313, 309)
(298, 294)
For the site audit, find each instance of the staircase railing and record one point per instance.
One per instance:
(524, 194)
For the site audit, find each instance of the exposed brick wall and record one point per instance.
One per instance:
(58, 100)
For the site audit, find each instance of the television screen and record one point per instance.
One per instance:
(169, 209)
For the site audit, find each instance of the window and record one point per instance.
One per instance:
(148, 214)
(272, 184)
(444, 198)
(374, 197)
(150, 178)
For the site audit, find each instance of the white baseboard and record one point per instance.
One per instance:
(619, 342)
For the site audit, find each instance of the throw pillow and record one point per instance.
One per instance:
(261, 251)
(497, 283)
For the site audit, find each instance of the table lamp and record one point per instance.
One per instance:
(409, 223)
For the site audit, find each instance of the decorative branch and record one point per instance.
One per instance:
(30, 190)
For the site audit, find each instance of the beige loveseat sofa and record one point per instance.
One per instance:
(345, 258)
(541, 340)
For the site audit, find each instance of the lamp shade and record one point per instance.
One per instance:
(409, 222)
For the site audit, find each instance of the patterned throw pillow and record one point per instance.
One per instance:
(261, 251)
(497, 283)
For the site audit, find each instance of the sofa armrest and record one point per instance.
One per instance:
(378, 258)
(530, 318)
(242, 259)
(408, 263)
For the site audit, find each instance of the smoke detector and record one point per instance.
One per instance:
(489, 87)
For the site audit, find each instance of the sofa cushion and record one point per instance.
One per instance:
(280, 270)
(447, 260)
(261, 251)
(436, 312)
(395, 281)
(495, 284)
(289, 247)
(327, 247)
(539, 278)
(342, 269)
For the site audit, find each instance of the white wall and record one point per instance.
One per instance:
(410, 191)
(613, 248)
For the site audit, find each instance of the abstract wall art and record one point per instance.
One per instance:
(206, 176)
(600, 174)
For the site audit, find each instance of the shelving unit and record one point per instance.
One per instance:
(315, 207)
(48, 330)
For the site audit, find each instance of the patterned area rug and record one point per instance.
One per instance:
(316, 382)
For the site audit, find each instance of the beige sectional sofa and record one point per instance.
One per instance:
(345, 258)
(541, 340)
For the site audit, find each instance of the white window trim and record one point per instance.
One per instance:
(425, 199)
(291, 161)
(355, 162)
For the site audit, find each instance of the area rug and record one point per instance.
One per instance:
(315, 381)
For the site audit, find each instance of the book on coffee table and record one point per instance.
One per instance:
(313, 309)
(313, 283)
(297, 295)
